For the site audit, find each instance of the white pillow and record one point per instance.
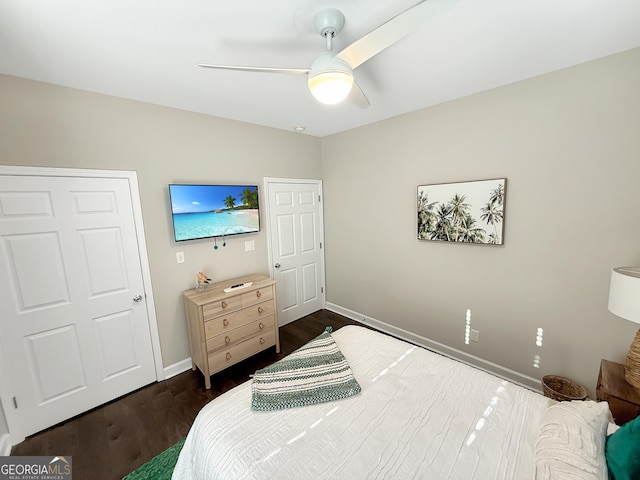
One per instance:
(570, 444)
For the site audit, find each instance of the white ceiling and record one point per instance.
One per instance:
(148, 50)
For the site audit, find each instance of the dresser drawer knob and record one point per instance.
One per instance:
(225, 322)
(261, 340)
(260, 309)
(227, 339)
(258, 293)
(224, 304)
(228, 356)
(261, 325)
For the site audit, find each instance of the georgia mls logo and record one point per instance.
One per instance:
(36, 468)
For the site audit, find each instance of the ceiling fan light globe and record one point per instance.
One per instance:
(330, 87)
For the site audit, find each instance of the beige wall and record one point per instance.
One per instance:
(46, 125)
(569, 145)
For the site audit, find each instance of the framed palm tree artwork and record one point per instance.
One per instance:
(463, 212)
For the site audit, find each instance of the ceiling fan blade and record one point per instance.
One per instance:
(357, 96)
(294, 71)
(393, 30)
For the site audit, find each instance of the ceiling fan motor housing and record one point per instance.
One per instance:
(329, 22)
(327, 62)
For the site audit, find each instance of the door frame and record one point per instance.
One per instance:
(6, 395)
(271, 180)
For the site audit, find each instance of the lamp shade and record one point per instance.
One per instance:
(330, 87)
(330, 79)
(624, 293)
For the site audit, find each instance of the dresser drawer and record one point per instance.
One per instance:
(213, 309)
(237, 335)
(229, 356)
(225, 323)
(257, 296)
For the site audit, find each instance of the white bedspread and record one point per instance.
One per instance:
(419, 416)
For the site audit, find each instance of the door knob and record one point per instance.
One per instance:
(277, 265)
(137, 298)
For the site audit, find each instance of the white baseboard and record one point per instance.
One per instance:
(5, 445)
(490, 367)
(177, 368)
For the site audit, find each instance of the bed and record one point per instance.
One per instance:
(418, 415)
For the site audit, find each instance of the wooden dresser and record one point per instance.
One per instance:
(225, 328)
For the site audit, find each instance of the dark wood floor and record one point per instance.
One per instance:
(115, 439)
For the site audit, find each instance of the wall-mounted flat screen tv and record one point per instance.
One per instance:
(203, 211)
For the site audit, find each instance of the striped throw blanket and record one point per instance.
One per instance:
(315, 373)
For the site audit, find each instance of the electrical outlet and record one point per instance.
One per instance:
(249, 246)
(475, 335)
(179, 257)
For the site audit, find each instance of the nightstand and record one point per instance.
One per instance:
(624, 399)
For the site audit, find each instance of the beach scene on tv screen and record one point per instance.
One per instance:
(201, 211)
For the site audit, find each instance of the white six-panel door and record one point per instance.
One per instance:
(74, 327)
(296, 236)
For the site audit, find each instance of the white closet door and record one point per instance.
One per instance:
(74, 325)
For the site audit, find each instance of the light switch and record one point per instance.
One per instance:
(180, 257)
(249, 246)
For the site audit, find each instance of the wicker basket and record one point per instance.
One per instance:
(561, 389)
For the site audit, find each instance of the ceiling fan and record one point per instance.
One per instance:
(330, 77)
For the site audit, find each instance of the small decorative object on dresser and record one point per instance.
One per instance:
(623, 398)
(227, 327)
(201, 280)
